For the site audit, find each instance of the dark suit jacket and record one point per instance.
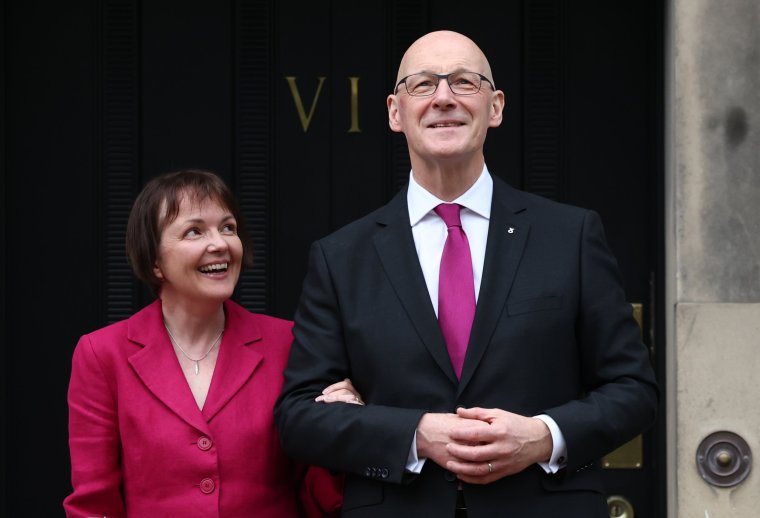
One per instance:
(141, 447)
(553, 333)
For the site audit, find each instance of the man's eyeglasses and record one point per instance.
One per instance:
(461, 83)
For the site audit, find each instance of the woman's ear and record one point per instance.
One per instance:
(157, 272)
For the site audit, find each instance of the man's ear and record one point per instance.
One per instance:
(497, 109)
(394, 121)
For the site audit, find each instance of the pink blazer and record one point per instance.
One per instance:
(141, 447)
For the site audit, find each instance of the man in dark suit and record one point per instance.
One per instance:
(486, 328)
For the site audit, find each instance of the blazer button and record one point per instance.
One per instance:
(204, 443)
(449, 476)
(207, 486)
(384, 473)
(368, 472)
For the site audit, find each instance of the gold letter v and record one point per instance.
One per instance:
(305, 120)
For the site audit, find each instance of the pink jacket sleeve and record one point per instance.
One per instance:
(94, 439)
(320, 494)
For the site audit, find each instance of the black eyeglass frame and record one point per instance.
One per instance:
(444, 76)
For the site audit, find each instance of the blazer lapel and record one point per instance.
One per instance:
(507, 235)
(236, 361)
(395, 247)
(157, 366)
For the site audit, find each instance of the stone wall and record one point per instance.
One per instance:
(713, 244)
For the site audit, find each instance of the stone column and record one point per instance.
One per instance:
(713, 245)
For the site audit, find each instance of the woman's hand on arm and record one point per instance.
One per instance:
(341, 392)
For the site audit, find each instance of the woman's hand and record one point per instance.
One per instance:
(341, 392)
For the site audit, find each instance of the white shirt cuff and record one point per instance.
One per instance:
(413, 463)
(558, 460)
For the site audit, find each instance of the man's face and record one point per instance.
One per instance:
(445, 126)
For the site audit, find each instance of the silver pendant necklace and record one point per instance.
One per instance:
(203, 357)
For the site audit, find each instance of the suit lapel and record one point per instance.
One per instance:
(236, 361)
(395, 247)
(504, 250)
(157, 366)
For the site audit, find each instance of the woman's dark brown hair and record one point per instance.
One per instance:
(157, 205)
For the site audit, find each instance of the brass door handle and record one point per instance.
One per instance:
(619, 507)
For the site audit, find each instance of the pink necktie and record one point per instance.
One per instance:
(456, 289)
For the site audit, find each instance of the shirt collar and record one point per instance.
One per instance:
(477, 198)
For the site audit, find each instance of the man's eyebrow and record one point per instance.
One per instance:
(454, 71)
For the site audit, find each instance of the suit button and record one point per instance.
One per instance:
(368, 472)
(384, 473)
(204, 443)
(207, 486)
(449, 476)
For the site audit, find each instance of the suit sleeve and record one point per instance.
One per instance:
(620, 393)
(371, 441)
(94, 439)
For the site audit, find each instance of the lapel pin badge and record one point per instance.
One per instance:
(511, 230)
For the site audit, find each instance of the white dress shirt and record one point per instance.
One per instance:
(430, 233)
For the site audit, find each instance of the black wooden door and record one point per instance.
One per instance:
(286, 100)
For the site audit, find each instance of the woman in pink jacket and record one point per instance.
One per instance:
(170, 411)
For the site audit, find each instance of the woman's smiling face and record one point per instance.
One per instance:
(200, 253)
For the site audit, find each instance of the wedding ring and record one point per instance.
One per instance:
(490, 467)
